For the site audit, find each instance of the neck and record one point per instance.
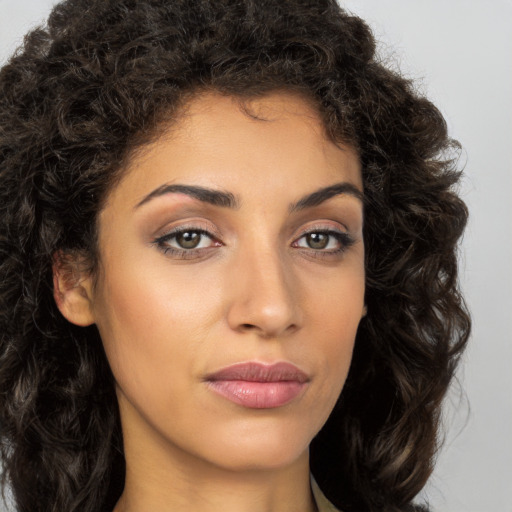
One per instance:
(269, 492)
(162, 478)
(149, 488)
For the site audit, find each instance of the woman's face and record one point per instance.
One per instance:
(232, 245)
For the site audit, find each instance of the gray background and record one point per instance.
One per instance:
(461, 54)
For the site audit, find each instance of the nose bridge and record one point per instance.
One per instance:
(265, 298)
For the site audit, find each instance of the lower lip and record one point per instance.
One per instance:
(258, 395)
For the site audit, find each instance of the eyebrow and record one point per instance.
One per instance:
(229, 200)
(206, 195)
(319, 196)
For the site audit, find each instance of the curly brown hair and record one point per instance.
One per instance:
(94, 84)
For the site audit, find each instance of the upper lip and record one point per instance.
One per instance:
(260, 372)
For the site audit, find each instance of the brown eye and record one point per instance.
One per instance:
(188, 239)
(326, 242)
(317, 240)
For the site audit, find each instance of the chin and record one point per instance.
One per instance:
(264, 451)
(268, 461)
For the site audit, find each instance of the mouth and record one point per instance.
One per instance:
(257, 385)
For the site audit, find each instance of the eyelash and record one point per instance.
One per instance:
(163, 241)
(344, 240)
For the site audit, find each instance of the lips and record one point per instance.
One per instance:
(258, 385)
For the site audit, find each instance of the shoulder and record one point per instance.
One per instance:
(322, 503)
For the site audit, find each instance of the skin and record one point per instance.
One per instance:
(253, 291)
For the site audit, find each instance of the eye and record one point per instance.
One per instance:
(190, 240)
(186, 242)
(328, 241)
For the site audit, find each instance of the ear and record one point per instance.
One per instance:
(72, 289)
(364, 312)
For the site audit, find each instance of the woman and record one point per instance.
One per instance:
(194, 315)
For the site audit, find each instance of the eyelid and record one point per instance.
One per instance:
(343, 236)
(202, 225)
(322, 225)
(162, 241)
(173, 234)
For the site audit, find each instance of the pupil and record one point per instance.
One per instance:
(318, 240)
(188, 239)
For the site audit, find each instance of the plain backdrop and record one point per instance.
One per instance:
(460, 52)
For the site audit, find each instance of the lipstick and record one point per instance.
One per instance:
(257, 385)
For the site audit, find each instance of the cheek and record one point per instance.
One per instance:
(151, 323)
(335, 317)
(127, 316)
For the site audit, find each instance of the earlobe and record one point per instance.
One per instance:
(72, 290)
(365, 311)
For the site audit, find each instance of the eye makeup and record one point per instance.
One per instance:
(187, 242)
(192, 241)
(323, 241)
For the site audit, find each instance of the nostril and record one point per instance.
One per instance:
(266, 332)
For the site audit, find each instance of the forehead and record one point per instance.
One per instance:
(212, 114)
(219, 140)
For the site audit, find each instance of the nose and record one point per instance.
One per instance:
(264, 296)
